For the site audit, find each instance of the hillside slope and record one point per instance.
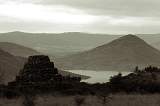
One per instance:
(122, 54)
(9, 65)
(17, 50)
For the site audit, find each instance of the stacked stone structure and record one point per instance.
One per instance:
(39, 70)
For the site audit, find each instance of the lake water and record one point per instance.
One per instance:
(97, 76)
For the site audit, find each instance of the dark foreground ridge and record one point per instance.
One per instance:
(40, 76)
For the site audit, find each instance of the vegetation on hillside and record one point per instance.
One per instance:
(141, 81)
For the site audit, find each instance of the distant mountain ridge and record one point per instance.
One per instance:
(122, 54)
(57, 44)
(63, 44)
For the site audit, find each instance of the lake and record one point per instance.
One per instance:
(97, 76)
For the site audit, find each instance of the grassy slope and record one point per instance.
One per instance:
(117, 100)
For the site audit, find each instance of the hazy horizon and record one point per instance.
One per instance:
(94, 16)
(39, 32)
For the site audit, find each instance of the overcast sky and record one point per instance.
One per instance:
(95, 16)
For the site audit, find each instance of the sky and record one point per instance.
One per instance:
(92, 16)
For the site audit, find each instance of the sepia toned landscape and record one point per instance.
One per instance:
(79, 53)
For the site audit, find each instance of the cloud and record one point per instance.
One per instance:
(145, 8)
(53, 14)
(106, 16)
(112, 7)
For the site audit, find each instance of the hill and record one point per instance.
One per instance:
(9, 65)
(122, 54)
(17, 50)
(57, 44)
(68, 43)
